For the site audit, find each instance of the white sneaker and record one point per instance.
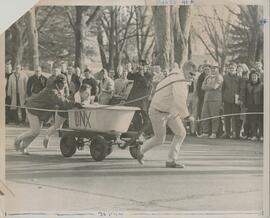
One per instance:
(254, 138)
(213, 136)
(243, 137)
(203, 136)
(24, 151)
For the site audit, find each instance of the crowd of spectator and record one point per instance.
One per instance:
(237, 89)
(232, 93)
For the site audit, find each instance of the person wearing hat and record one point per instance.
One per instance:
(169, 107)
(50, 98)
(212, 85)
(254, 103)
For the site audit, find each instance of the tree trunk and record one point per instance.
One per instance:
(19, 47)
(112, 39)
(33, 39)
(79, 47)
(189, 47)
(138, 41)
(183, 16)
(101, 48)
(161, 16)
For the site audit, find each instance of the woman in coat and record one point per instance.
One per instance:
(16, 91)
(254, 103)
(50, 98)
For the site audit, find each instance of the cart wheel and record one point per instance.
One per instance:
(134, 151)
(99, 148)
(68, 145)
(109, 150)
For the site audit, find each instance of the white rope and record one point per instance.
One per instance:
(107, 106)
(229, 115)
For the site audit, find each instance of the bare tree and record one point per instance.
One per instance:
(162, 25)
(247, 33)
(115, 25)
(144, 32)
(17, 39)
(33, 39)
(78, 25)
(172, 28)
(215, 36)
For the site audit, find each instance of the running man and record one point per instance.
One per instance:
(169, 106)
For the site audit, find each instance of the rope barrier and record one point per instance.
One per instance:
(135, 100)
(107, 106)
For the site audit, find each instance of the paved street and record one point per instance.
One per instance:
(221, 175)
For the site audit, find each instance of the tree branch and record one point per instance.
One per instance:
(93, 16)
(71, 21)
(127, 27)
(206, 46)
(42, 23)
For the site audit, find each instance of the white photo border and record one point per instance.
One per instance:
(266, 150)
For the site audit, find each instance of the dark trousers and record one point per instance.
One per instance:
(232, 123)
(8, 111)
(255, 120)
(247, 129)
(199, 115)
(15, 113)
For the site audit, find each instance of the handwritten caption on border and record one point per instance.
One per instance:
(174, 2)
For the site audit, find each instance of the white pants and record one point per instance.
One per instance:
(35, 126)
(159, 121)
(57, 124)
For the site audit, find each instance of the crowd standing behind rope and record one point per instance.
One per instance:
(238, 89)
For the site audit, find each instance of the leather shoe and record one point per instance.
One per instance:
(17, 144)
(174, 165)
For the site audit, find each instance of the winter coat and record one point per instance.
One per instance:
(22, 87)
(141, 87)
(212, 85)
(35, 84)
(172, 96)
(230, 88)
(254, 94)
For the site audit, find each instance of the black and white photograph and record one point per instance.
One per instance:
(128, 110)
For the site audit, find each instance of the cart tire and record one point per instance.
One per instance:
(109, 150)
(68, 145)
(134, 151)
(99, 148)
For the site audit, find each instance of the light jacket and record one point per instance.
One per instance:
(173, 97)
(12, 92)
(106, 91)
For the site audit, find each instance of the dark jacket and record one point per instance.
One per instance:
(93, 83)
(35, 84)
(141, 87)
(49, 98)
(230, 88)
(73, 84)
(243, 88)
(199, 86)
(254, 94)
